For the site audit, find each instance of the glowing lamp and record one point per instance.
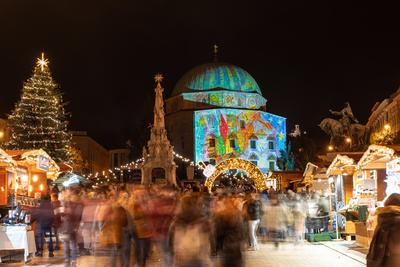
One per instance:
(30, 188)
(330, 148)
(1, 134)
(24, 178)
(41, 187)
(35, 178)
(2, 189)
(348, 140)
(386, 127)
(330, 180)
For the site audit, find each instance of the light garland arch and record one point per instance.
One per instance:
(235, 163)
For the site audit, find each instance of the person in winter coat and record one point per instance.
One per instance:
(384, 250)
(252, 209)
(44, 217)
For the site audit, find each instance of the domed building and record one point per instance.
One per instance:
(217, 112)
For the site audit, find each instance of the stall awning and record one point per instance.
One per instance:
(377, 156)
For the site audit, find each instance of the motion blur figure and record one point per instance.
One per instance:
(190, 234)
(276, 221)
(162, 208)
(252, 210)
(232, 234)
(143, 231)
(44, 218)
(111, 233)
(384, 250)
(71, 213)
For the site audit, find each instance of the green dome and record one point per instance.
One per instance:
(216, 76)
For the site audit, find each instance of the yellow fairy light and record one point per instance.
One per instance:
(42, 62)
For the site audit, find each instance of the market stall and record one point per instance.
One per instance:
(340, 176)
(370, 187)
(7, 173)
(34, 168)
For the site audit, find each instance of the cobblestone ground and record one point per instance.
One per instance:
(288, 255)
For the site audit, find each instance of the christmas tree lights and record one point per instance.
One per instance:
(39, 119)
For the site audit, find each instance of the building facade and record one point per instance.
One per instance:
(118, 157)
(95, 155)
(217, 111)
(384, 113)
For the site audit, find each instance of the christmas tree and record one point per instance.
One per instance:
(38, 119)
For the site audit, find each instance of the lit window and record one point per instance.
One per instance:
(272, 165)
(253, 144)
(271, 145)
(211, 142)
(232, 143)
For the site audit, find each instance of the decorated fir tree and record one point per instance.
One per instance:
(38, 119)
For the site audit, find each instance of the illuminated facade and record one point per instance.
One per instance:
(217, 112)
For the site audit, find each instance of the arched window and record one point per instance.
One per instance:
(253, 142)
(253, 159)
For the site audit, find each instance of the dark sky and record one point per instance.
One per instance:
(307, 56)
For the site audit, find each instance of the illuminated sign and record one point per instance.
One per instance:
(43, 163)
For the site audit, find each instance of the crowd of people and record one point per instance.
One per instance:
(126, 226)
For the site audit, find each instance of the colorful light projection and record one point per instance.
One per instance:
(217, 75)
(227, 99)
(256, 136)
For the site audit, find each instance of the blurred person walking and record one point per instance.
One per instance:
(190, 234)
(276, 221)
(162, 208)
(71, 213)
(232, 234)
(56, 204)
(44, 218)
(111, 233)
(252, 209)
(142, 226)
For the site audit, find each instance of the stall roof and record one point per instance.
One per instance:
(344, 163)
(7, 159)
(377, 156)
(30, 155)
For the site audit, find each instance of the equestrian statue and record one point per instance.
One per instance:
(346, 129)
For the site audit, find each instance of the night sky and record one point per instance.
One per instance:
(307, 57)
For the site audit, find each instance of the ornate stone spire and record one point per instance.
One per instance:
(159, 154)
(159, 113)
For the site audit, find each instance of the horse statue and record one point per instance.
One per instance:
(333, 128)
(359, 133)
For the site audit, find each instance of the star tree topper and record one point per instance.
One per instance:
(42, 62)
